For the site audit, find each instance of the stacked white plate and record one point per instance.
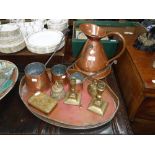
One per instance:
(11, 38)
(57, 24)
(45, 41)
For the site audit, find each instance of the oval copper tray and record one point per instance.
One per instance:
(14, 77)
(74, 117)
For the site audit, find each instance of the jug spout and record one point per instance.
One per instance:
(92, 31)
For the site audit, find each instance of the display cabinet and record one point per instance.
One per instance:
(135, 74)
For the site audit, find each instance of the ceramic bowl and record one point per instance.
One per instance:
(59, 25)
(28, 28)
(56, 21)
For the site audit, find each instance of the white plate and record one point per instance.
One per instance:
(13, 48)
(45, 38)
(11, 45)
(44, 50)
(8, 27)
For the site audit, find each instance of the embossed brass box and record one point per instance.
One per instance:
(42, 102)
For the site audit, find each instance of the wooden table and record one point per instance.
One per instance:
(135, 74)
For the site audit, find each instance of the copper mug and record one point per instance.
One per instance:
(59, 73)
(36, 77)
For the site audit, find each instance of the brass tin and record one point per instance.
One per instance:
(42, 102)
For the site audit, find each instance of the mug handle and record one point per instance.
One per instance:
(122, 48)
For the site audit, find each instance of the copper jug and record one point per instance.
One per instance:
(92, 58)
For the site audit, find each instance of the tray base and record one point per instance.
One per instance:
(71, 116)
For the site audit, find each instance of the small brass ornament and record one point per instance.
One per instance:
(73, 97)
(97, 104)
(58, 92)
(92, 88)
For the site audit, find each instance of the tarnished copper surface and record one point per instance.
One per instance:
(74, 117)
(92, 57)
(59, 73)
(14, 77)
(39, 81)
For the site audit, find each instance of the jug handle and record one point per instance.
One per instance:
(123, 45)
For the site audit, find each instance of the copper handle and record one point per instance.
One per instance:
(123, 46)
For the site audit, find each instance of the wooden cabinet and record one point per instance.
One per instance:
(135, 73)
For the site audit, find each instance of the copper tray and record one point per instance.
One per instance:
(14, 77)
(74, 117)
